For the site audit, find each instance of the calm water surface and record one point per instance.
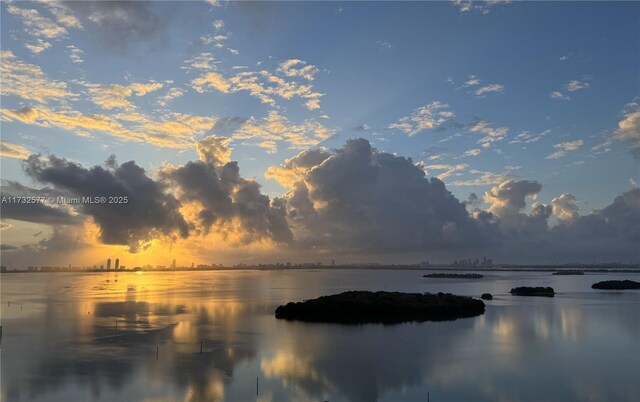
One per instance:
(60, 341)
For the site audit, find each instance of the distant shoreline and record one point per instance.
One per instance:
(527, 268)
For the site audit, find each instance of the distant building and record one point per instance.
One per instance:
(117, 263)
(108, 264)
(333, 262)
(173, 264)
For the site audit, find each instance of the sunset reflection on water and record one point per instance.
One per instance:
(95, 337)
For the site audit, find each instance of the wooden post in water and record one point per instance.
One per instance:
(116, 325)
(157, 352)
(257, 386)
(201, 347)
(427, 397)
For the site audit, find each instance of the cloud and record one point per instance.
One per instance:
(11, 150)
(64, 16)
(449, 170)
(576, 85)
(226, 202)
(564, 148)
(75, 54)
(508, 198)
(174, 130)
(218, 25)
(484, 179)
(358, 199)
(202, 61)
(40, 212)
(559, 95)
(472, 81)
(491, 134)
(383, 44)
(467, 6)
(29, 82)
(149, 211)
(211, 80)
(116, 96)
(565, 208)
(214, 150)
(629, 128)
(528, 137)
(38, 46)
(125, 26)
(426, 117)
(277, 128)
(489, 88)
(295, 169)
(297, 68)
(264, 85)
(172, 93)
(35, 24)
(472, 152)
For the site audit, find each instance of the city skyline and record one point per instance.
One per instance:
(291, 131)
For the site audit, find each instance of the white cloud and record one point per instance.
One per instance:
(449, 170)
(297, 68)
(218, 25)
(559, 95)
(171, 94)
(75, 54)
(472, 81)
(276, 128)
(472, 152)
(527, 137)
(38, 46)
(491, 134)
(426, 117)
(564, 148)
(384, 44)
(202, 61)
(489, 88)
(483, 7)
(575, 85)
(35, 24)
(629, 127)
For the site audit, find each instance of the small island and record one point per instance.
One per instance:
(569, 272)
(457, 276)
(360, 307)
(533, 291)
(486, 296)
(616, 285)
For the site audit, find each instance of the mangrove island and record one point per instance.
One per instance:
(360, 307)
(533, 291)
(616, 285)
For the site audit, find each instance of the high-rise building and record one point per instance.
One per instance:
(108, 264)
(173, 264)
(117, 263)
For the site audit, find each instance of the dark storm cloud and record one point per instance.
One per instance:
(224, 196)
(39, 212)
(610, 234)
(149, 210)
(127, 25)
(358, 198)
(7, 247)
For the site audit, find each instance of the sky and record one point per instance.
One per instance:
(248, 132)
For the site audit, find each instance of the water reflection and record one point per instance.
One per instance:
(89, 337)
